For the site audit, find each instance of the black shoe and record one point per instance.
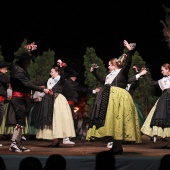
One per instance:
(57, 145)
(165, 147)
(117, 152)
(120, 152)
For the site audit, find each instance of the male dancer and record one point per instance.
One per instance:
(70, 91)
(21, 86)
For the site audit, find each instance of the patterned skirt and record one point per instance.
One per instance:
(121, 118)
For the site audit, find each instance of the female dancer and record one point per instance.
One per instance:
(114, 113)
(157, 122)
(133, 83)
(52, 116)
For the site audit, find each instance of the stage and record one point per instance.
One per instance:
(81, 156)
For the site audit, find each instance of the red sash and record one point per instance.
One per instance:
(70, 102)
(2, 98)
(25, 96)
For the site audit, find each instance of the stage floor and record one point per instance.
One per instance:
(85, 148)
(148, 151)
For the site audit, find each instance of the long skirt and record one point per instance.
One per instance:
(32, 129)
(121, 120)
(140, 114)
(62, 123)
(154, 130)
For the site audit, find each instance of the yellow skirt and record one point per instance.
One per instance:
(63, 125)
(121, 122)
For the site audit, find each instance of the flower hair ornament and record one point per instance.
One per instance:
(61, 63)
(31, 47)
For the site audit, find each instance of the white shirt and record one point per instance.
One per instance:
(38, 95)
(111, 76)
(128, 85)
(9, 92)
(51, 82)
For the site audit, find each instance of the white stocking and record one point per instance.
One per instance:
(17, 133)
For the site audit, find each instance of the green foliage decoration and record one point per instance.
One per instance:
(89, 58)
(40, 69)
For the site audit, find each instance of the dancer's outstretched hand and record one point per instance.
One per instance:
(129, 46)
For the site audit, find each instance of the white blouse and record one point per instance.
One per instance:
(51, 82)
(164, 83)
(111, 76)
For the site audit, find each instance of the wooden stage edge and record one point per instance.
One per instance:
(147, 148)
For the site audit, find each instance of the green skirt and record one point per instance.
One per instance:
(140, 114)
(121, 122)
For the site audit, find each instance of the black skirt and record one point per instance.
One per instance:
(42, 113)
(99, 109)
(161, 116)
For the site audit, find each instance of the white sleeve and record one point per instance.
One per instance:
(137, 76)
(9, 92)
(42, 94)
(36, 95)
(94, 91)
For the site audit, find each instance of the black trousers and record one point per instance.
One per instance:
(1, 112)
(72, 109)
(19, 105)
